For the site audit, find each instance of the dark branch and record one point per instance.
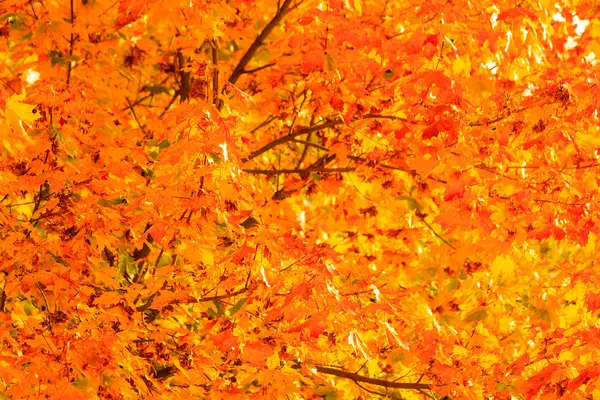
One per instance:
(253, 70)
(373, 381)
(379, 116)
(497, 118)
(185, 78)
(214, 50)
(71, 44)
(134, 114)
(316, 128)
(422, 218)
(8, 85)
(192, 300)
(266, 122)
(298, 171)
(311, 144)
(291, 136)
(239, 69)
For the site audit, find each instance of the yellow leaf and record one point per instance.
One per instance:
(503, 269)
(273, 361)
(17, 115)
(462, 64)
(22, 111)
(208, 258)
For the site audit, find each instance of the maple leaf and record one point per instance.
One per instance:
(17, 116)
(129, 11)
(456, 187)
(247, 195)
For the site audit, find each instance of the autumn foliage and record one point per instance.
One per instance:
(301, 199)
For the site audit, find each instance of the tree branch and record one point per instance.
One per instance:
(266, 122)
(373, 381)
(392, 117)
(310, 144)
(316, 128)
(422, 218)
(497, 118)
(135, 115)
(214, 50)
(241, 66)
(185, 78)
(71, 44)
(192, 300)
(253, 70)
(2, 299)
(288, 137)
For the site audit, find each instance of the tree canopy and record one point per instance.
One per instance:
(299, 199)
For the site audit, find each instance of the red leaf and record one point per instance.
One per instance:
(593, 301)
(516, 12)
(432, 39)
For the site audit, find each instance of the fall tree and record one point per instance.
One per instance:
(301, 199)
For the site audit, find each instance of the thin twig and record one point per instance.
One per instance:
(583, 166)
(497, 118)
(310, 144)
(141, 99)
(135, 115)
(39, 286)
(384, 395)
(8, 85)
(266, 122)
(253, 70)
(392, 117)
(192, 300)
(38, 203)
(169, 105)
(298, 171)
(288, 137)
(491, 170)
(422, 218)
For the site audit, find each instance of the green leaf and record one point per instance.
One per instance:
(453, 284)
(127, 267)
(56, 58)
(55, 133)
(80, 383)
(164, 144)
(477, 315)
(544, 314)
(237, 306)
(330, 62)
(112, 203)
(15, 21)
(327, 392)
(412, 203)
(219, 312)
(28, 307)
(215, 157)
